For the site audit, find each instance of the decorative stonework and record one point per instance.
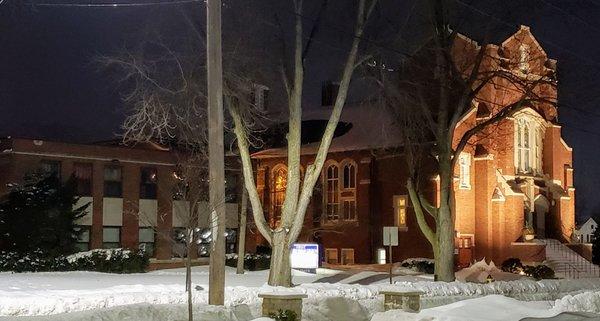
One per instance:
(273, 302)
(409, 301)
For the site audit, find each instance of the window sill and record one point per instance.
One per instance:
(339, 222)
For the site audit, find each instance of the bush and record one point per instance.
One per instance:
(252, 262)
(40, 214)
(512, 265)
(420, 265)
(284, 315)
(35, 261)
(100, 260)
(539, 272)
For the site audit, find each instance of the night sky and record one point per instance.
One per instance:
(50, 86)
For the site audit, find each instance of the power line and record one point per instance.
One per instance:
(113, 5)
(570, 14)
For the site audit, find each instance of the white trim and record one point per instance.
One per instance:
(106, 159)
(487, 157)
(521, 29)
(465, 117)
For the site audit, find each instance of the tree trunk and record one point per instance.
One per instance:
(242, 233)
(188, 280)
(281, 271)
(444, 264)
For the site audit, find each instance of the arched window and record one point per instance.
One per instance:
(528, 141)
(349, 176)
(464, 163)
(279, 187)
(332, 193)
(339, 202)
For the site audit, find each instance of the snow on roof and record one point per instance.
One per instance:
(372, 128)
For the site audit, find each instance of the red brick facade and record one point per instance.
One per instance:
(19, 157)
(518, 174)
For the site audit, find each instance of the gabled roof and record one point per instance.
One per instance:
(371, 128)
(589, 221)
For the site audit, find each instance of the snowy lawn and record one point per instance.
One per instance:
(160, 295)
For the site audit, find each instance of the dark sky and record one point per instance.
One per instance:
(51, 88)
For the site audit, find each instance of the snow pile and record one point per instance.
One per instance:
(491, 308)
(479, 272)
(29, 294)
(335, 309)
(106, 253)
(415, 260)
(150, 312)
(583, 302)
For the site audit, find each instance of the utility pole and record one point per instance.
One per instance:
(216, 172)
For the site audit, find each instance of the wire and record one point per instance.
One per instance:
(112, 5)
(570, 14)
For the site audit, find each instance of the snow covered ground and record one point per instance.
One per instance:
(160, 295)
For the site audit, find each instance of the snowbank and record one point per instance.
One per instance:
(583, 302)
(29, 294)
(489, 308)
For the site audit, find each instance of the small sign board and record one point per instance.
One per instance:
(390, 235)
(304, 256)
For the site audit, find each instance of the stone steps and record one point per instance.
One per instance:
(568, 263)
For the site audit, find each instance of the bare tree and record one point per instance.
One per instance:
(431, 93)
(299, 191)
(167, 105)
(191, 212)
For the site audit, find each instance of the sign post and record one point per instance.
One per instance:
(390, 238)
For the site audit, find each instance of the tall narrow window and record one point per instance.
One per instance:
(349, 176)
(148, 183)
(112, 181)
(523, 146)
(524, 56)
(400, 209)
(526, 148)
(538, 150)
(83, 178)
(529, 145)
(464, 163)
(349, 210)
(279, 187)
(332, 188)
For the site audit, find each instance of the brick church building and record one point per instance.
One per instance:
(519, 176)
